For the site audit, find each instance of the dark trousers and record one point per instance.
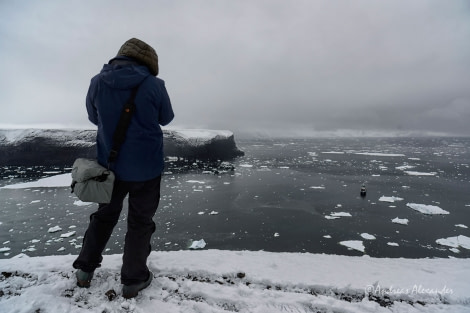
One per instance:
(143, 202)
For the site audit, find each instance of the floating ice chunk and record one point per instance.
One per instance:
(353, 244)
(413, 173)
(246, 165)
(368, 236)
(340, 214)
(54, 229)
(35, 201)
(4, 249)
(35, 241)
(276, 235)
(329, 217)
(381, 154)
(402, 221)
(198, 244)
(405, 167)
(393, 244)
(81, 203)
(390, 199)
(455, 242)
(317, 187)
(61, 249)
(455, 250)
(213, 213)
(62, 180)
(426, 209)
(195, 182)
(461, 225)
(327, 236)
(201, 213)
(20, 256)
(69, 234)
(333, 152)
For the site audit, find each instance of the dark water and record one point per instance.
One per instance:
(275, 200)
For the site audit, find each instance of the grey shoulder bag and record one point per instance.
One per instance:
(92, 182)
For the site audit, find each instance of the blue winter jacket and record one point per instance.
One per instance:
(141, 156)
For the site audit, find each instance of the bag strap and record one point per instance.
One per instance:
(122, 126)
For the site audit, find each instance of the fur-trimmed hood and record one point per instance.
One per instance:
(141, 52)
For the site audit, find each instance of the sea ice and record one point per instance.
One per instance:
(390, 199)
(413, 173)
(405, 167)
(455, 242)
(81, 203)
(461, 225)
(403, 221)
(198, 244)
(4, 249)
(54, 229)
(341, 214)
(426, 209)
(69, 234)
(393, 244)
(353, 244)
(380, 154)
(368, 236)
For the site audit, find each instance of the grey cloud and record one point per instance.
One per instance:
(246, 65)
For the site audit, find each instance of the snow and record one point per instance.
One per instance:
(426, 209)
(241, 281)
(390, 199)
(203, 134)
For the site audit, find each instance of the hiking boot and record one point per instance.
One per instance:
(83, 278)
(131, 291)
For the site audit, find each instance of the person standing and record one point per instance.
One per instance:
(138, 167)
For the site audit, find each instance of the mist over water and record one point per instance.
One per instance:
(284, 195)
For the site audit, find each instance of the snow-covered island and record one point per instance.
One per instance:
(63, 146)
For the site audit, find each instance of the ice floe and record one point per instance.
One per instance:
(402, 221)
(455, 242)
(390, 199)
(198, 244)
(353, 244)
(426, 209)
(381, 154)
(414, 173)
(368, 236)
(54, 229)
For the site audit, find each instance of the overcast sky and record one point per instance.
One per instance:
(248, 65)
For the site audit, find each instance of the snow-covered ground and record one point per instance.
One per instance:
(242, 281)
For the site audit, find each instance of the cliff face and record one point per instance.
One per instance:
(61, 147)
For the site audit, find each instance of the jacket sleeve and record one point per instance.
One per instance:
(90, 107)
(166, 113)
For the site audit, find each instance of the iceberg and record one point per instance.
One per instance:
(62, 146)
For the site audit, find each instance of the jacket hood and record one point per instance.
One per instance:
(141, 52)
(124, 74)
